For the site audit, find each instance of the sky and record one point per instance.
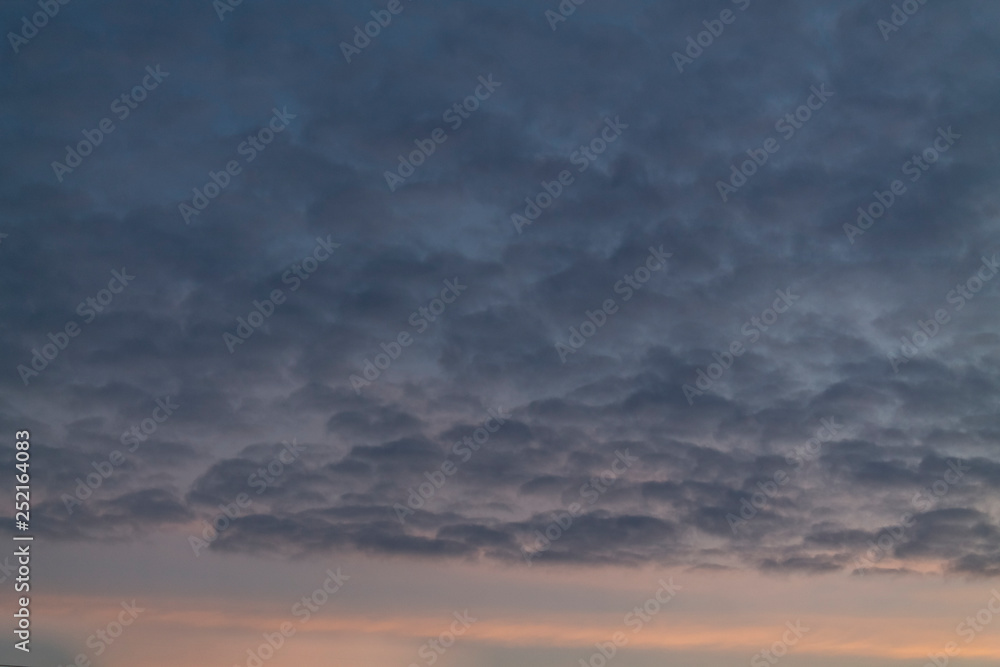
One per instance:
(493, 334)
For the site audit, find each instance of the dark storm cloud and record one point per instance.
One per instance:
(370, 451)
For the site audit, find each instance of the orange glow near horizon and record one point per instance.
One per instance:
(209, 631)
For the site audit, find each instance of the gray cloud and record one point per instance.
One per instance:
(495, 345)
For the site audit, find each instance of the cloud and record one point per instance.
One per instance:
(827, 356)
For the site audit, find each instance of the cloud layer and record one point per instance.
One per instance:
(913, 457)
